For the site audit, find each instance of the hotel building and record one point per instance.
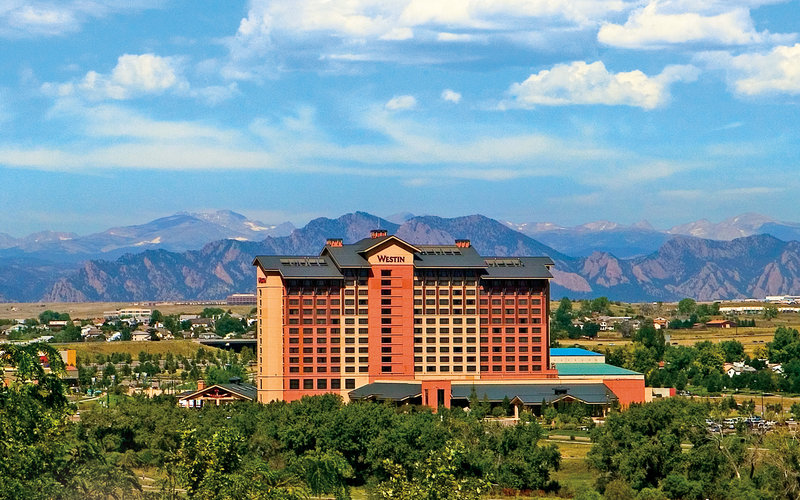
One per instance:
(428, 320)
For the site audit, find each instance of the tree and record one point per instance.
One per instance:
(212, 312)
(562, 317)
(591, 329)
(226, 324)
(600, 305)
(770, 312)
(687, 307)
(48, 316)
(156, 317)
(733, 349)
(325, 472)
(439, 477)
(41, 457)
(642, 446)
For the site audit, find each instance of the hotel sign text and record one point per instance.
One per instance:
(390, 259)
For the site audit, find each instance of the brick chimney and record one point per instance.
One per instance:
(334, 242)
(377, 233)
(463, 243)
(201, 384)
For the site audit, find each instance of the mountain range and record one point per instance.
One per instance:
(208, 256)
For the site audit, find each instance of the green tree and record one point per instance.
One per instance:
(770, 312)
(562, 318)
(439, 477)
(156, 317)
(591, 329)
(225, 324)
(48, 316)
(600, 305)
(687, 307)
(325, 472)
(733, 350)
(212, 312)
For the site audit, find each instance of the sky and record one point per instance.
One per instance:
(118, 112)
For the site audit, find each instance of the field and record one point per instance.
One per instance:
(85, 350)
(750, 337)
(86, 310)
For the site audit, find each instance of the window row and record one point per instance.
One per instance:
(321, 383)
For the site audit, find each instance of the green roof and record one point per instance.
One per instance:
(578, 369)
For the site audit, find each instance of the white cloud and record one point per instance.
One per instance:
(401, 102)
(665, 22)
(136, 75)
(132, 76)
(398, 34)
(456, 37)
(272, 28)
(451, 96)
(36, 18)
(582, 83)
(774, 72)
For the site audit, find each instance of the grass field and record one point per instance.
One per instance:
(750, 337)
(86, 310)
(89, 349)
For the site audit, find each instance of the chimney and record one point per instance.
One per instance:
(463, 243)
(201, 384)
(377, 233)
(334, 242)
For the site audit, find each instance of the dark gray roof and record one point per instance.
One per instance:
(246, 390)
(535, 393)
(345, 256)
(334, 258)
(393, 391)
(293, 266)
(517, 267)
(444, 256)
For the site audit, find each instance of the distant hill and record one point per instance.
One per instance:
(178, 232)
(681, 266)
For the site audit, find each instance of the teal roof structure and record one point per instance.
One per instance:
(572, 351)
(584, 369)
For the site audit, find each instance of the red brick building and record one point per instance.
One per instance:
(385, 310)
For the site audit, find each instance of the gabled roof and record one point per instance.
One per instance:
(368, 244)
(245, 391)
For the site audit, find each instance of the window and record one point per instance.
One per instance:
(294, 383)
(322, 384)
(336, 384)
(308, 383)
(386, 272)
(349, 383)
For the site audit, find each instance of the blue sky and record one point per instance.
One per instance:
(117, 112)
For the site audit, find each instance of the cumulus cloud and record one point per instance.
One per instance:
(591, 83)
(451, 96)
(774, 72)
(137, 75)
(665, 22)
(132, 76)
(401, 102)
